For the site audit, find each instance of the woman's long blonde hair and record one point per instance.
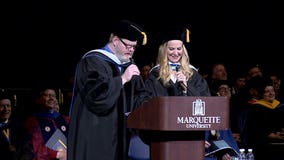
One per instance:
(162, 60)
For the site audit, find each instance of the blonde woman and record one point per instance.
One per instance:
(174, 75)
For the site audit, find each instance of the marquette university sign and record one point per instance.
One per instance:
(198, 119)
(181, 114)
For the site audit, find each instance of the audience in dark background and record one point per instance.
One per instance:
(243, 102)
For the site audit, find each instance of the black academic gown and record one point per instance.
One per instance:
(260, 122)
(7, 144)
(12, 147)
(97, 129)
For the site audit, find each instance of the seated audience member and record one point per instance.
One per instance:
(218, 72)
(43, 124)
(264, 123)
(223, 88)
(238, 83)
(11, 133)
(145, 71)
(225, 135)
(253, 71)
(240, 104)
(276, 80)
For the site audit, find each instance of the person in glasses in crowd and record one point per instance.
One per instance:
(107, 87)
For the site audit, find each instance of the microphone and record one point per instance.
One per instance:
(132, 62)
(177, 68)
(183, 86)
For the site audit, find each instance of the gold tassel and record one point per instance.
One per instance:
(187, 35)
(144, 42)
(7, 133)
(144, 38)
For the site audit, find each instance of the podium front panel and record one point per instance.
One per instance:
(181, 113)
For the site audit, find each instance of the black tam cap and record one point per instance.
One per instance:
(129, 30)
(175, 33)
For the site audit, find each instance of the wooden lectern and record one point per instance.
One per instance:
(174, 126)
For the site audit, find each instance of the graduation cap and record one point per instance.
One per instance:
(129, 30)
(175, 32)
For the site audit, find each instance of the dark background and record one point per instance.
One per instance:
(44, 39)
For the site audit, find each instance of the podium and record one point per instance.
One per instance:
(174, 126)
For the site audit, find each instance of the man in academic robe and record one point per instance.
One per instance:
(107, 87)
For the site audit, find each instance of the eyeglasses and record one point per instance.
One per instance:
(128, 46)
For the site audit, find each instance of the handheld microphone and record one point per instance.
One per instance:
(177, 68)
(132, 62)
(181, 83)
